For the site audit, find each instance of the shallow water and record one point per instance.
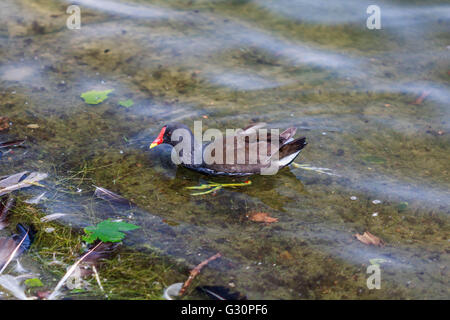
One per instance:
(303, 63)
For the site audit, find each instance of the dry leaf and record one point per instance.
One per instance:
(285, 255)
(369, 239)
(262, 217)
(33, 126)
(4, 123)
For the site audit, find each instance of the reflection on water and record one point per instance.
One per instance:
(312, 64)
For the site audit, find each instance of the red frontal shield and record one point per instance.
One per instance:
(159, 139)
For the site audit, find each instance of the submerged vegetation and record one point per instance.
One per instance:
(126, 274)
(370, 190)
(108, 231)
(95, 97)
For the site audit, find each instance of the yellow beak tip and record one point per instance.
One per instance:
(153, 145)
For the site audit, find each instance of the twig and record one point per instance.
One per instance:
(196, 271)
(422, 97)
(97, 278)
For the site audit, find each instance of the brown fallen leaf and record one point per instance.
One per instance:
(4, 123)
(285, 255)
(422, 97)
(369, 239)
(261, 217)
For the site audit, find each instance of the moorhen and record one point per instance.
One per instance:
(287, 151)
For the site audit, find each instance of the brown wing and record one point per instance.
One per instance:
(244, 144)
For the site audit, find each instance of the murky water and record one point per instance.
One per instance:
(310, 64)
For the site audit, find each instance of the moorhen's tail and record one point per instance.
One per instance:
(286, 135)
(289, 151)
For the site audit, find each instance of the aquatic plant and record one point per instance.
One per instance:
(213, 186)
(95, 97)
(108, 231)
(126, 103)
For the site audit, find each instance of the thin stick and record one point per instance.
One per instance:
(422, 97)
(14, 253)
(196, 271)
(69, 272)
(97, 278)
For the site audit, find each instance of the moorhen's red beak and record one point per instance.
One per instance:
(158, 139)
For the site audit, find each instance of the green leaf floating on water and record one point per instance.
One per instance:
(95, 97)
(33, 283)
(108, 231)
(126, 103)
